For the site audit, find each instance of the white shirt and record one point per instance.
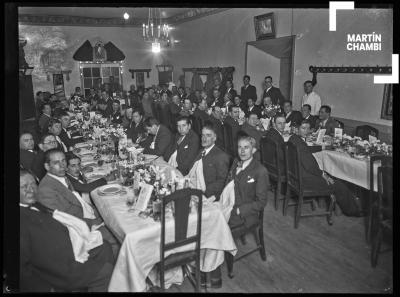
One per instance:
(207, 150)
(60, 179)
(69, 134)
(244, 165)
(266, 91)
(62, 143)
(288, 114)
(314, 100)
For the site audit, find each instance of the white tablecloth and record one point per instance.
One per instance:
(344, 167)
(140, 238)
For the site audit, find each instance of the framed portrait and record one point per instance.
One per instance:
(387, 103)
(58, 83)
(264, 26)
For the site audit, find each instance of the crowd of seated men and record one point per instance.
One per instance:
(187, 129)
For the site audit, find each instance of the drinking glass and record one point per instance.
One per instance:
(130, 200)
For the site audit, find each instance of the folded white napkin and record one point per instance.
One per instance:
(82, 239)
(227, 200)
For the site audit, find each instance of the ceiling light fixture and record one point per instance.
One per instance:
(126, 16)
(155, 31)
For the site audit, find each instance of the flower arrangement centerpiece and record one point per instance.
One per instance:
(116, 134)
(271, 110)
(355, 146)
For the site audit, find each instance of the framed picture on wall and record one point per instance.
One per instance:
(140, 79)
(58, 83)
(387, 103)
(264, 26)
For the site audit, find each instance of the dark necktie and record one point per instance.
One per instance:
(180, 139)
(70, 187)
(201, 155)
(239, 167)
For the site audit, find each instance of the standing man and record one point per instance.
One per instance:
(248, 91)
(311, 98)
(210, 170)
(185, 146)
(272, 92)
(230, 90)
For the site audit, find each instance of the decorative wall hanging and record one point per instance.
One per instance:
(264, 26)
(351, 69)
(99, 53)
(132, 71)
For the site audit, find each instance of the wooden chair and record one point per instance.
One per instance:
(271, 153)
(181, 200)
(382, 211)
(230, 139)
(365, 130)
(384, 161)
(295, 184)
(239, 232)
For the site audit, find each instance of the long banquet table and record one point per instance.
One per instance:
(140, 238)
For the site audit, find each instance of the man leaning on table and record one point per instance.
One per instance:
(162, 137)
(47, 261)
(325, 120)
(185, 147)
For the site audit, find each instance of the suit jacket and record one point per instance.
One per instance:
(134, 131)
(53, 194)
(232, 92)
(38, 165)
(313, 121)
(330, 126)
(202, 115)
(219, 129)
(215, 171)
(187, 151)
(275, 135)
(256, 109)
(67, 140)
(44, 124)
(46, 257)
(162, 142)
(275, 94)
(253, 132)
(109, 109)
(218, 101)
(249, 92)
(116, 118)
(133, 101)
(26, 158)
(251, 192)
(82, 187)
(294, 118)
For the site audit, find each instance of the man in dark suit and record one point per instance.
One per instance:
(162, 137)
(252, 108)
(237, 101)
(216, 99)
(47, 262)
(272, 92)
(93, 97)
(276, 133)
(248, 91)
(216, 119)
(55, 129)
(136, 130)
(215, 164)
(108, 101)
(45, 118)
(217, 86)
(26, 152)
(116, 117)
(230, 90)
(325, 120)
(251, 184)
(233, 116)
(313, 177)
(306, 113)
(293, 117)
(251, 128)
(304, 133)
(47, 142)
(174, 109)
(185, 147)
(65, 135)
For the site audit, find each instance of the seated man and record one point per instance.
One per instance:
(314, 178)
(65, 135)
(55, 129)
(306, 113)
(201, 111)
(127, 118)
(174, 107)
(47, 142)
(238, 102)
(304, 133)
(45, 118)
(252, 108)
(116, 117)
(249, 183)
(276, 133)
(136, 132)
(293, 117)
(217, 99)
(185, 147)
(252, 129)
(26, 152)
(47, 261)
(325, 120)
(210, 170)
(162, 137)
(187, 108)
(216, 119)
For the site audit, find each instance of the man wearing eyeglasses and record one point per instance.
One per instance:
(47, 142)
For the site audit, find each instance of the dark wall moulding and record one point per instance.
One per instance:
(132, 71)
(351, 69)
(206, 70)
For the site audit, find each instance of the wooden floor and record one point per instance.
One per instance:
(314, 258)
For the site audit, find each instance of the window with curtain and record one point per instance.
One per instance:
(91, 72)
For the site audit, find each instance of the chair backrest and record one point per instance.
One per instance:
(181, 199)
(293, 171)
(385, 190)
(365, 130)
(385, 161)
(230, 137)
(270, 156)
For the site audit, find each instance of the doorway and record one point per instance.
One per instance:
(273, 57)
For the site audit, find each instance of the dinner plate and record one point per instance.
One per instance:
(109, 189)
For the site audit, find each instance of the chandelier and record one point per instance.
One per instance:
(155, 31)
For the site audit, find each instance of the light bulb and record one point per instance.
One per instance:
(126, 16)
